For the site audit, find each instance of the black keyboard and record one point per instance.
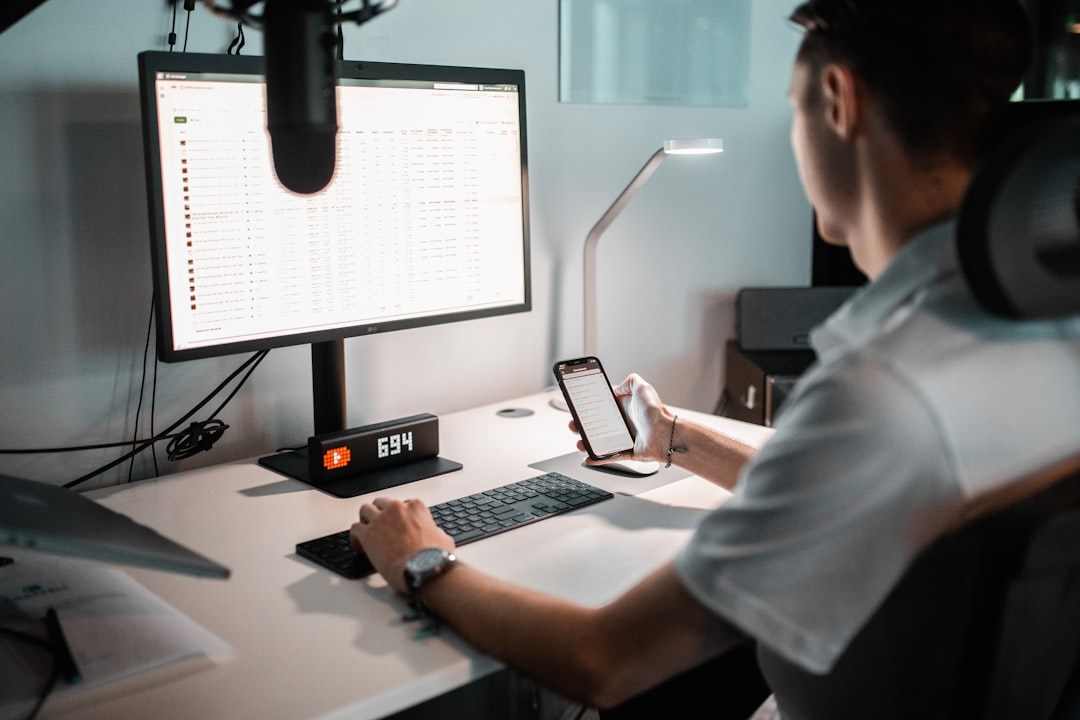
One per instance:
(470, 518)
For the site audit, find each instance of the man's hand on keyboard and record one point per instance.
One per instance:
(391, 531)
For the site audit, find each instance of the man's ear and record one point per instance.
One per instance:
(842, 100)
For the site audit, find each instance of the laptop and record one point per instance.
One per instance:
(56, 520)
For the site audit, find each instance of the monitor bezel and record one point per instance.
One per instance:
(152, 62)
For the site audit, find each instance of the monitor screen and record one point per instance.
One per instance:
(424, 221)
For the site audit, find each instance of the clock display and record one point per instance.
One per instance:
(374, 448)
(395, 444)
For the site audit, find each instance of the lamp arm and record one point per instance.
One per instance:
(591, 240)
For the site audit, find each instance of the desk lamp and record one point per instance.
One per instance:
(696, 146)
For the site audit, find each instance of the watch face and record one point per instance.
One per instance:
(426, 560)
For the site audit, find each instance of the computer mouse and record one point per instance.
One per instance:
(632, 467)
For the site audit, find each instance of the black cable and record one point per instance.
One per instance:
(340, 34)
(142, 388)
(84, 448)
(153, 415)
(189, 5)
(238, 41)
(179, 438)
(172, 31)
(261, 357)
(123, 443)
(253, 360)
(197, 438)
(256, 359)
(202, 436)
(158, 438)
(68, 448)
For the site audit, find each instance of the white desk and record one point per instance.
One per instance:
(306, 643)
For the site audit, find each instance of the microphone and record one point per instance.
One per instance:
(301, 108)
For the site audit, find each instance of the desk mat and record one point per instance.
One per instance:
(573, 464)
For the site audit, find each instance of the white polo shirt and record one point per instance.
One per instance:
(919, 403)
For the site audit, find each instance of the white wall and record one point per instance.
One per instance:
(74, 258)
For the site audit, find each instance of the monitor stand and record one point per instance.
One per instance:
(328, 399)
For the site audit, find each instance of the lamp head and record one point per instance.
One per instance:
(694, 146)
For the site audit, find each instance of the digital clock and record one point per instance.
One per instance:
(365, 459)
(395, 444)
(376, 457)
(358, 451)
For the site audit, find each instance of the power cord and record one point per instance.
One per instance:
(196, 437)
(172, 30)
(238, 41)
(340, 51)
(202, 440)
(142, 389)
(189, 6)
(202, 436)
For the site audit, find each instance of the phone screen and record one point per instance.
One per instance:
(597, 412)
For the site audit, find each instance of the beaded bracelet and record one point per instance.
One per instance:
(671, 443)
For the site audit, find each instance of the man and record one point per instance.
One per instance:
(887, 440)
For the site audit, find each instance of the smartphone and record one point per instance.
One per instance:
(599, 415)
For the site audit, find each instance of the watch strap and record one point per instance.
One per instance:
(416, 581)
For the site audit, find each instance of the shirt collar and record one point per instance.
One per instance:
(926, 258)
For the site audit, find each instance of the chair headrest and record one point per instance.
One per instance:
(1018, 228)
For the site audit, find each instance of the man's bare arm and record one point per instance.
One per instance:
(598, 656)
(702, 450)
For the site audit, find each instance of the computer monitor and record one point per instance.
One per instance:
(425, 220)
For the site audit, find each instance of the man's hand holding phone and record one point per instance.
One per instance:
(606, 432)
(648, 416)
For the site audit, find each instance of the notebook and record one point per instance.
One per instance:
(56, 520)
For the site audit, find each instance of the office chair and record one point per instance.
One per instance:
(1017, 235)
(986, 622)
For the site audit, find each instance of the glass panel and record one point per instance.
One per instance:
(654, 52)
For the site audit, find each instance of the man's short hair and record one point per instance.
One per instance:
(937, 66)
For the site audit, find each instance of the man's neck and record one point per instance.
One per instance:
(901, 199)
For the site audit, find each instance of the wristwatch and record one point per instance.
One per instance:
(421, 568)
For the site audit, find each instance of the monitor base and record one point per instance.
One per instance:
(294, 464)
